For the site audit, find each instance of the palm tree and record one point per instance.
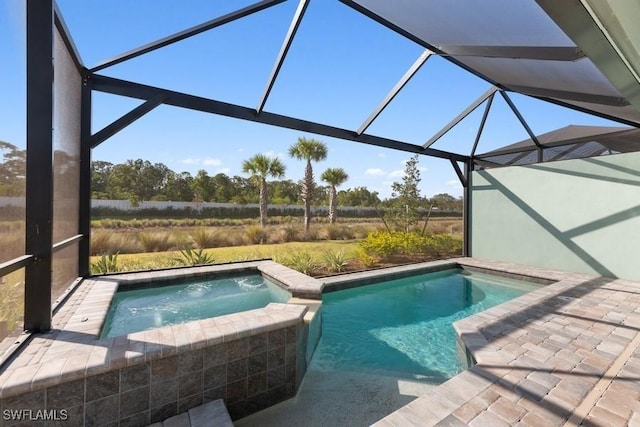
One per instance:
(260, 167)
(308, 149)
(334, 177)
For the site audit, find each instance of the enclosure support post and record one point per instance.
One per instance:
(84, 216)
(466, 210)
(39, 188)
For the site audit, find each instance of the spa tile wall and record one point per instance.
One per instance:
(250, 374)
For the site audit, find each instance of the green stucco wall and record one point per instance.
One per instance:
(576, 215)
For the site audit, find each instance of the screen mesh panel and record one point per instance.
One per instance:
(66, 151)
(570, 142)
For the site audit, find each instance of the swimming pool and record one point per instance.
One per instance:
(153, 307)
(403, 327)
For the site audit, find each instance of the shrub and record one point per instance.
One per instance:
(100, 243)
(303, 262)
(205, 238)
(194, 257)
(385, 245)
(159, 241)
(103, 242)
(445, 244)
(108, 263)
(256, 234)
(125, 243)
(338, 232)
(292, 233)
(334, 261)
(364, 258)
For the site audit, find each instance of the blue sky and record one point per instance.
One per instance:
(340, 66)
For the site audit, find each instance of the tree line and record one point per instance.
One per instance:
(140, 180)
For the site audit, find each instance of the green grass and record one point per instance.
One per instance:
(281, 252)
(11, 301)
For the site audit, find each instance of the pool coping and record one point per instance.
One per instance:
(73, 349)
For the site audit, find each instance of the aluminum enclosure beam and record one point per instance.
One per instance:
(466, 210)
(533, 137)
(542, 53)
(15, 264)
(124, 121)
(189, 32)
(614, 101)
(286, 44)
(39, 190)
(475, 104)
(515, 110)
(84, 199)
(395, 90)
(460, 173)
(183, 100)
(483, 121)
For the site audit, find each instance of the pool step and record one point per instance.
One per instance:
(212, 414)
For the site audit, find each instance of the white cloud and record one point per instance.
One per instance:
(190, 161)
(224, 170)
(207, 161)
(375, 172)
(272, 154)
(241, 150)
(382, 155)
(454, 183)
(423, 169)
(396, 173)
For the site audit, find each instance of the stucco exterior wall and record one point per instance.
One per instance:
(576, 215)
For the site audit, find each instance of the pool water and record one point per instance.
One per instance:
(403, 327)
(154, 307)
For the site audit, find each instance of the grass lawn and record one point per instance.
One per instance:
(282, 252)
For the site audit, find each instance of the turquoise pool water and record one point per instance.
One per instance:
(154, 307)
(404, 327)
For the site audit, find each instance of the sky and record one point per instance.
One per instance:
(339, 68)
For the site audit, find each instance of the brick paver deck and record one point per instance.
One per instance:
(566, 354)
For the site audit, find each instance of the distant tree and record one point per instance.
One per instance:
(405, 196)
(100, 173)
(223, 189)
(285, 192)
(13, 166)
(261, 167)
(202, 186)
(138, 180)
(179, 187)
(308, 150)
(334, 177)
(446, 202)
(243, 191)
(358, 196)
